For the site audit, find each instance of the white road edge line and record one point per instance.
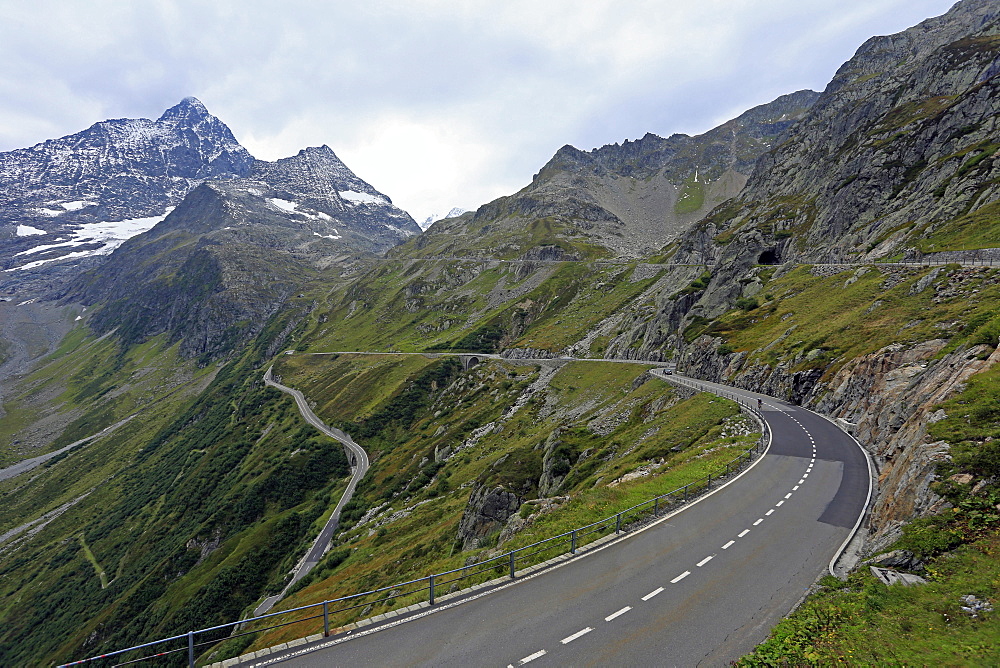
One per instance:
(705, 560)
(569, 639)
(680, 577)
(528, 659)
(743, 533)
(728, 545)
(618, 614)
(652, 593)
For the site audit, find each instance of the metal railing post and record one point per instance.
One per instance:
(656, 506)
(191, 649)
(512, 564)
(685, 493)
(432, 590)
(618, 523)
(326, 619)
(572, 545)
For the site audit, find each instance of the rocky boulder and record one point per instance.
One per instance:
(486, 514)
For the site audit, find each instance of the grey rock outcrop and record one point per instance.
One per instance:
(555, 465)
(486, 514)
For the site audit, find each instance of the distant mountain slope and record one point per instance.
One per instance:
(215, 269)
(625, 200)
(58, 197)
(66, 203)
(898, 156)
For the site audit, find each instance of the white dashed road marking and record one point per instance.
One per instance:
(652, 593)
(788, 496)
(728, 545)
(769, 512)
(780, 503)
(569, 639)
(743, 533)
(705, 560)
(680, 577)
(528, 659)
(758, 521)
(618, 614)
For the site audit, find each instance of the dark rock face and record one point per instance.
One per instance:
(486, 514)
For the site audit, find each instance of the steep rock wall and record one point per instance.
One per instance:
(885, 399)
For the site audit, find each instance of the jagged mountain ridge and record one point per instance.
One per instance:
(223, 262)
(117, 169)
(80, 196)
(625, 200)
(900, 145)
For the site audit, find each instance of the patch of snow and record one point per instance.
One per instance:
(283, 204)
(51, 213)
(354, 197)
(328, 236)
(30, 301)
(433, 218)
(79, 317)
(111, 234)
(293, 207)
(75, 205)
(405, 233)
(28, 230)
(39, 249)
(38, 263)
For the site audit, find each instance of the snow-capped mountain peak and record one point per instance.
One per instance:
(433, 218)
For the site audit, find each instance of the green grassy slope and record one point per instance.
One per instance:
(194, 510)
(440, 433)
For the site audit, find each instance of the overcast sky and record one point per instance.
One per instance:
(436, 103)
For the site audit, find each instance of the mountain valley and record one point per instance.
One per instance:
(835, 250)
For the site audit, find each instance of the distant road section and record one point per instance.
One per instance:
(358, 470)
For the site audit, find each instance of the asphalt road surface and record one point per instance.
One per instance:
(699, 588)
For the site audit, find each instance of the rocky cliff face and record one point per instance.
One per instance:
(625, 200)
(486, 514)
(900, 145)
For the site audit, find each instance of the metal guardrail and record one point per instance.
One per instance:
(504, 566)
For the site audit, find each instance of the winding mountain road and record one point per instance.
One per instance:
(358, 470)
(701, 586)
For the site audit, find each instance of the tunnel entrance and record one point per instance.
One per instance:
(770, 256)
